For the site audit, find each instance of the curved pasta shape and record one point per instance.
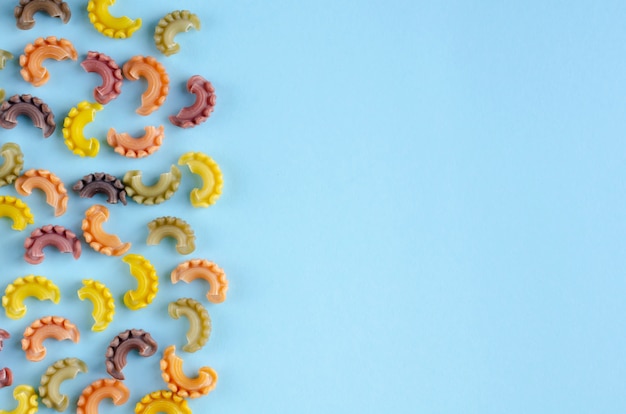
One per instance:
(21, 288)
(200, 111)
(169, 26)
(50, 184)
(128, 146)
(17, 211)
(158, 81)
(73, 126)
(176, 380)
(92, 184)
(4, 335)
(4, 56)
(108, 244)
(212, 181)
(54, 327)
(44, 48)
(162, 402)
(174, 227)
(147, 282)
(199, 322)
(110, 73)
(13, 163)
(203, 269)
(122, 344)
(97, 391)
(114, 27)
(58, 236)
(103, 303)
(6, 377)
(163, 190)
(27, 400)
(55, 375)
(34, 108)
(25, 11)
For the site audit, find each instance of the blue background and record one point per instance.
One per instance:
(422, 211)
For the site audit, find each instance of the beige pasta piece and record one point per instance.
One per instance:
(169, 26)
(174, 227)
(199, 322)
(13, 163)
(55, 375)
(163, 190)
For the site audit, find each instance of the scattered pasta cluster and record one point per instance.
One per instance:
(115, 190)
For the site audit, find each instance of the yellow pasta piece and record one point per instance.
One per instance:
(27, 400)
(209, 171)
(162, 402)
(115, 27)
(147, 282)
(29, 286)
(73, 126)
(103, 303)
(16, 210)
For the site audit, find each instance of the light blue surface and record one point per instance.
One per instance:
(422, 211)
